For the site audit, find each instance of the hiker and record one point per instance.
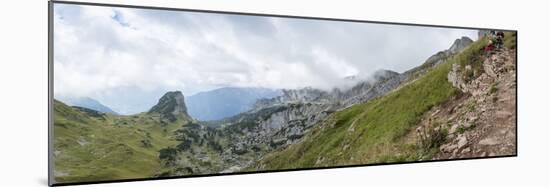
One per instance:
(500, 40)
(489, 48)
(492, 34)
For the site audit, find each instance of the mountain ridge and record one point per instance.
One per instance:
(87, 102)
(412, 123)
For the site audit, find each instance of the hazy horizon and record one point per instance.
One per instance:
(128, 58)
(142, 107)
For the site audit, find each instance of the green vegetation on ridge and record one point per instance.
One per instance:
(373, 132)
(107, 147)
(510, 40)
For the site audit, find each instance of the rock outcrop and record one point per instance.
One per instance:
(282, 120)
(382, 82)
(481, 120)
(171, 106)
(459, 45)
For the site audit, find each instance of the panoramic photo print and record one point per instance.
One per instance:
(150, 93)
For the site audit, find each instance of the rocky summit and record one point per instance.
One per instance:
(460, 44)
(170, 106)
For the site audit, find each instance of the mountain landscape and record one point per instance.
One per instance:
(458, 103)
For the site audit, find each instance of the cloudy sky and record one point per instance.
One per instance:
(127, 58)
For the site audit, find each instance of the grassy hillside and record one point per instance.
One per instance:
(374, 132)
(510, 40)
(91, 146)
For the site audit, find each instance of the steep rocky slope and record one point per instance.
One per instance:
(391, 128)
(482, 122)
(365, 133)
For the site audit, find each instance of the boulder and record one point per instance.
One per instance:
(462, 141)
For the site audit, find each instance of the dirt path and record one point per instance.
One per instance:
(480, 121)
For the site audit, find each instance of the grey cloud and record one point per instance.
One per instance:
(154, 51)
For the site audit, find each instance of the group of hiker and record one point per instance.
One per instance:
(496, 41)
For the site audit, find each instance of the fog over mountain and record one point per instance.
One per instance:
(128, 57)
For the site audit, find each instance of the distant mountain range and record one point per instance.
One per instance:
(225, 102)
(87, 102)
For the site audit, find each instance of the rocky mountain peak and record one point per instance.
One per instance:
(171, 105)
(384, 74)
(460, 44)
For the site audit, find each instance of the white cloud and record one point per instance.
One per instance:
(127, 58)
